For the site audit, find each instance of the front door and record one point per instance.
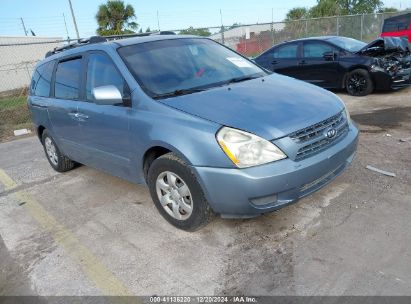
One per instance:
(317, 69)
(105, 128)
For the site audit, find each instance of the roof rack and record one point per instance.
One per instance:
(100, 39)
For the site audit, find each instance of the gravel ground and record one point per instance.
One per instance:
(88, 233)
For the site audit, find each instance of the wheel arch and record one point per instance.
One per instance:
(40, 130)
(352, 68)
(157, 150)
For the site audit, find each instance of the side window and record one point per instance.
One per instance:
(395, 24)
(102, 72)
(67, 84)
(287, 51)
(41, 80)
(316, 49)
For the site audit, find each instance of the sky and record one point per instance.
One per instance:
(45, 17)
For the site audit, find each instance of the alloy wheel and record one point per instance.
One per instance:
(357, 83)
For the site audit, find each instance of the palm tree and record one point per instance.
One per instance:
(115, 18)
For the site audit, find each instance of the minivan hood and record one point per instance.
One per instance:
(271, 107)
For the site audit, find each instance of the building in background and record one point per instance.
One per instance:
(250, 40)
(18, 56)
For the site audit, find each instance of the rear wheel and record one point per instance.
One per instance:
(359, 83)
(58, 161)
(177, 194)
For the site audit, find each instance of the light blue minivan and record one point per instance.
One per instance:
(209, 131)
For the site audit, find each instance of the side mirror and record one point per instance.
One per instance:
(107, 95)
(329, 56)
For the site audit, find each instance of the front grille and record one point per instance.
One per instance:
(314, 137)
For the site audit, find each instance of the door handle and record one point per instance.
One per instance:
(302, 62)
(274, 62)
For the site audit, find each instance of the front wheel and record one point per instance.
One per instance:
(177, 194)
(359, 83)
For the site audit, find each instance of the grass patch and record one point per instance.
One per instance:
(14, 115)
(12, 102)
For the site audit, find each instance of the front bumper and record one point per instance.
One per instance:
(242, 193)
(385, 81)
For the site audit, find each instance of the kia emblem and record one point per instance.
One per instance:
(331, 133)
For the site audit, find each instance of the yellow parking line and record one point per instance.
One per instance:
(91, 266)
(7, 181)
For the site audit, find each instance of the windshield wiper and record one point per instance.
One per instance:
(178, 93)
(243, 78)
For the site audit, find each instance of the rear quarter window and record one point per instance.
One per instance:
(286, 52)
(41, 80)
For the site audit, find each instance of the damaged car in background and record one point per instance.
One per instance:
(335, 62)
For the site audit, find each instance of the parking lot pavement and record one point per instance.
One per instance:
(87, 233)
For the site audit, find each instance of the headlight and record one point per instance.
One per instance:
(246, 149)
(346, 113)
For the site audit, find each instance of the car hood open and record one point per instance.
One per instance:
(271, 107)
(385, 46)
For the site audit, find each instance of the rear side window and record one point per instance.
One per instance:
(102, 72)
(400, 23)
(287, 51)
(316, 49)
(41, 80)
(67, 84)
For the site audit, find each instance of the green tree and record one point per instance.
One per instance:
(148, 30)
(115, 18)
(325, 8)
(297, 13)
(234, 25)
(198, 32)
(354, 7)
(388, 10)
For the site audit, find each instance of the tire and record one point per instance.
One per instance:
(58, 161)
(168, 179)
(359, 83)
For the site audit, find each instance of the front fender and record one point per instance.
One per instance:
(192, 138)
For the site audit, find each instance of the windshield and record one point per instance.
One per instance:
(348, 44)
(185, 65)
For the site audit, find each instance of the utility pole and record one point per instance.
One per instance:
(65, 24)
(272, 26)
(74, 19)
(222, 27)
(24, 26)
(158, 22)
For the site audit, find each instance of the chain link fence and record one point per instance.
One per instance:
(19, 55)
(253, 39)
